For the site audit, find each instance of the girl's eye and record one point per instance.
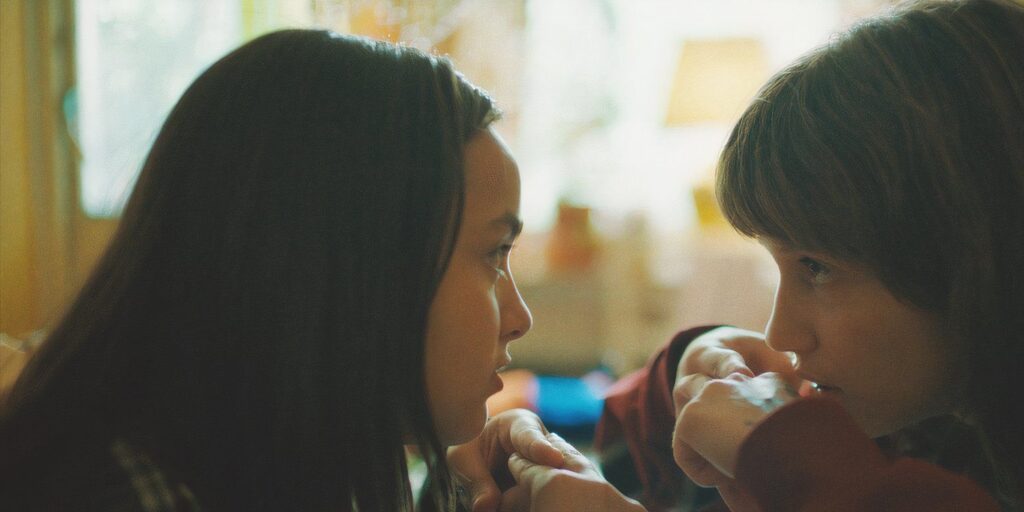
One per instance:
(819, 273)
(499, 258)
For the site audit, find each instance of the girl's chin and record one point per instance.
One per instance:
(465, 431)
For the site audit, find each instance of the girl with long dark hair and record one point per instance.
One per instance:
(311, 275)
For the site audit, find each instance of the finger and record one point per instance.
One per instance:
(792, 380)
(738, 377)
(521, 468)
(773, 362)
(485, 502)
(528, 437)
(693, 464)
(736, 498)
(760, 357)
(686, 388)
(696, 467)
(473, 474)
(782, 386)
(482, 495)
(573, 459)
(722, 362)
(516, 499)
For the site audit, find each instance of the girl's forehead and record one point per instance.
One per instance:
(786, 248)
(492, 180)
(776, 245)
(489, 162)
(490, 171)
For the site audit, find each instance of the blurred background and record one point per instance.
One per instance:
(615, 109)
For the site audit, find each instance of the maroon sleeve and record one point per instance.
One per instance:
(638, 411)
(811, 456)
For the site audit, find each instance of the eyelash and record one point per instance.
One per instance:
(819, 272)
(498, 257)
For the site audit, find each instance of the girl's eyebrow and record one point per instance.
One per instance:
(786, 247)
(509, 221)
(789, 249)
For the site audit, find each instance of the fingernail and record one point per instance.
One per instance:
(741, 369)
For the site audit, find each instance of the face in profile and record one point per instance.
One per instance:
(477, 311)
(888, 362)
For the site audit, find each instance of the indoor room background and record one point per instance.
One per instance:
(615, 110)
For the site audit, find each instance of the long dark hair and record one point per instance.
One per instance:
(900, 146)
(257, 324)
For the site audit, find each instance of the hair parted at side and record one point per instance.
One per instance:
(900, 146)
(257, 323)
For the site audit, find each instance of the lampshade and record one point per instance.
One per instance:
(714, 80)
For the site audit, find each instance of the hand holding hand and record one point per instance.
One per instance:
(480, 466)
(576, 486)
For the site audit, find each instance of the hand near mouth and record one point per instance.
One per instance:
(717, 354)
(722, 412)
(726, 350)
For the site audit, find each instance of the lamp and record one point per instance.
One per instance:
(714, 79)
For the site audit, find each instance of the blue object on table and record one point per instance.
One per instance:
(568, 402)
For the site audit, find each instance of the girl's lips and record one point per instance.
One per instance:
(809, 388)
(503, 365)
(813, 386)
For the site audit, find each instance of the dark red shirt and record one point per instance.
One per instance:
(807, 456)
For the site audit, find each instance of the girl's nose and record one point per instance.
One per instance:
(790, 328)
(516, 319)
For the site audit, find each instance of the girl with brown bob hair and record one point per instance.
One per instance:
(884, 172)
(899, 149)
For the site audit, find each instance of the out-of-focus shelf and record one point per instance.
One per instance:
(620, 312)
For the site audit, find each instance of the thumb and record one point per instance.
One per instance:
(529, 438)
(519, 467)
(515, 499)
(477, 489)
(483, 496)
(518, 497)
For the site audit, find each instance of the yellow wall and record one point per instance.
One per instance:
(46, 243)
(19, 307)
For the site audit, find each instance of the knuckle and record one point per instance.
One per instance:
(560, 479)
(680, 394)
(735, 377)
(690, 420)
(720, 385)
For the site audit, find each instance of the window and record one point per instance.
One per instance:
(134, 60)
(588, 86)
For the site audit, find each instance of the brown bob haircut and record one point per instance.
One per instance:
(899, 146)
